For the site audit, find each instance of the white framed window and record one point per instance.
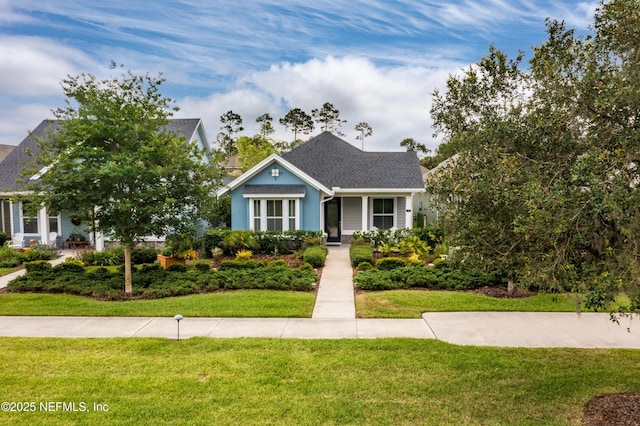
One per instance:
(384, 213)
(30, 223)
(292, 214)
(274, 214)
(256, 215)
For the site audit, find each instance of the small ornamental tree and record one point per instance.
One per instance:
(113, 162)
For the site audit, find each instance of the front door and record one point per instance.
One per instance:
(332, 222)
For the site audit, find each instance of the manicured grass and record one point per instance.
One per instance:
(203, 381)
(412, 303)
(6, 271)
(239, 303)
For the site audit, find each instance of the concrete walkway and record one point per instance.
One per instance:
(334, 318)
(335, 299)
(4, 279)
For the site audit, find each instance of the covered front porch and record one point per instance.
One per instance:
(346, 213)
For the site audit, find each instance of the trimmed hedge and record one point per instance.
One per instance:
(315, 256)
(240, 264)
(260, 242)
(439, 277)
(388, 263)
(359, 253)
(151, 281)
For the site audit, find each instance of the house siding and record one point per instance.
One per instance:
(352, 213)
(401, 204)
(309, 204)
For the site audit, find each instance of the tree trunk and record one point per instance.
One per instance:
(128, 287)
(510, 287)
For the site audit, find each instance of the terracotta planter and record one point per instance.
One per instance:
(166, 261)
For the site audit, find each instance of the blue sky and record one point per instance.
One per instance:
(376, 61)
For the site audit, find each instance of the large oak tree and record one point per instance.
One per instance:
(546, 187)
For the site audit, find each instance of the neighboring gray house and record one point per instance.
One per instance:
(423, 203)
(330, 185)
(47, 225)
(5, 150)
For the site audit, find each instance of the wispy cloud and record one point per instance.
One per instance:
(376, 60)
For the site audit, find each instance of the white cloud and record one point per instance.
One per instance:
(8, 16)
(395, 101)
(34, 66)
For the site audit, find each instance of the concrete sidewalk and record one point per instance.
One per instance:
(334, 318)
(505, 329)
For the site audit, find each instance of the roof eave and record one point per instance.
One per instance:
(261, 165)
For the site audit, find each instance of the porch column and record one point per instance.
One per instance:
(408, 211)
(365, 212)
(99, 241)
(43, 219)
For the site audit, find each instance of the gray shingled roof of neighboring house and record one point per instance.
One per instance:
(5, 150)
(11, 166)
(336, 163)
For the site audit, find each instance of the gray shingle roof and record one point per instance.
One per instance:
(5, 150)
(11, 166)
(336, 163)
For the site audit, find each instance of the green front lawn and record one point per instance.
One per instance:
(7, 271)
(238, 303)
(202, 381)
(412, 303)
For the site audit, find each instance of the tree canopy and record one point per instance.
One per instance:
(328, 117)
(115, 164)
(364, 131)
(299, 122)
(545, 189)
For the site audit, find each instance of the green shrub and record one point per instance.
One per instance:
(364, 266)
(434, 278)
(39, 252)
(107, 257)
(244, 255)
(70, 265)
(177, 267)
(240, 264)
(38, 265)
(360, 253)
(10, 262)
(140, 255)
(7, 252)
(315, 256)
(213, 237)
(377, 280)
(3, 238)
(202, 265)
(239, 240)
(388, 263)
(279, 263)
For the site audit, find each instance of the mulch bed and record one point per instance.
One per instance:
(618, 409)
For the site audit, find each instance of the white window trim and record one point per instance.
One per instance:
(23, 217)
(263, 213)
(394, 214)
